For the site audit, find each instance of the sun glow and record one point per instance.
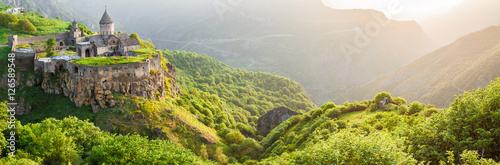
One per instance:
(412, 10)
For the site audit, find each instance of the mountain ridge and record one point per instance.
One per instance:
(468, 63)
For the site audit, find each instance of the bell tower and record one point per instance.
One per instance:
(107, 24)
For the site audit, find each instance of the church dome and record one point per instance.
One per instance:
(106, 19)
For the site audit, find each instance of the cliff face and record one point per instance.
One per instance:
(274, 118)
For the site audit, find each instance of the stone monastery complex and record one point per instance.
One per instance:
(93, 85)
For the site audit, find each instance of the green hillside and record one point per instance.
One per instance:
(419, 133)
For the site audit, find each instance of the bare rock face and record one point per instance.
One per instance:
(274, 118)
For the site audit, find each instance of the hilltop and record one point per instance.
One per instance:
(466, 64)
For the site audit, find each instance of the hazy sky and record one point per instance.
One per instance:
(411, 9)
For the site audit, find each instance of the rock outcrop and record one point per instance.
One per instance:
(274, 118)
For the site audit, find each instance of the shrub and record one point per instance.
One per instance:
(316, 113)
(333, 113)
(327, 106)
(430, 111)
(234, 137)
(403, 109)
(380, 96)
(373, 107)
(376, 148)
(306, 117)
(342, 124)
(415, 107)
(399, 101)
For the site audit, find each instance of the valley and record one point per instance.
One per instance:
(261, 82)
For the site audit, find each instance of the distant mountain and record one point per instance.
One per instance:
(299, 39)
(469, 63)
(53, 8)
(468, 17)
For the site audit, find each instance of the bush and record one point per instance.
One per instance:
(399, 101)
(430, 111)
(373, 107)
(139, 150)
(380, 96)
(351, 148)
(403, 109)
(328, 106)
(342, 124)
(234, 137)
(415, 107)
(333, 113)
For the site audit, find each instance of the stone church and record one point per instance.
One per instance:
(107, 43)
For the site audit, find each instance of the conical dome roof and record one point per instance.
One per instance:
(106, 19)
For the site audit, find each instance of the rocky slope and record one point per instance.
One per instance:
(469, 63)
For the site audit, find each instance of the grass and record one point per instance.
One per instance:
(23, 46)
(360, 116)
(39, 43)
(69, 53)
(146, 51)
(44, 26)
(102, 61)
(4, 35)
(42, 55)
(58, 53)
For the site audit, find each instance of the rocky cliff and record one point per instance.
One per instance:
(274, 118)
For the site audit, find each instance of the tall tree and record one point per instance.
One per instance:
(49, 47)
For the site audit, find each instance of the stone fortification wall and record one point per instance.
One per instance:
(24, 59)
(59, 36)
(92, 85)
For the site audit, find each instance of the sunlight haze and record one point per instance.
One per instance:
(411, 9)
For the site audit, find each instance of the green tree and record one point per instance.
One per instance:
(134, 35)
(203, 152)
(234, 137)
(26, 26)
(58, 18)
(415, 107)
(219, 156)
(49, 46)
(5, 19)
(135, 149)
(380, 96)
(61, 149)
(469, 124)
